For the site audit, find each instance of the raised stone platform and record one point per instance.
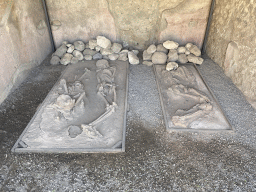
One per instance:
(187, 102)
(84, 112)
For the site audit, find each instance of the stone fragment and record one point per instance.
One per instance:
(188, 46)
(97, 56)
(69, 45)
(71, 49)
(78, 55)
(146, 55)
(116, 47)
(89, 52)
(103, 42)
(161, 48)
(55, 60)
(123, 56)
(195, 50)
(105, 57)
(194, 59)
(74, 60)
(136, 52)
(113, 56)
(173, 55)
(74, 131)
(79, 45)
(61, 51)
(172, 66)
(102, 63)
(106, 51)
(133, 59)
(151, 49)
(87, 46)
(88, 57)
(98, 48)
(66, 59)
(148, 63)
(183, 58)
(159, 58)
(187, 52)
(181, 50)
(170, 45)
(124, 51)
(92, 44)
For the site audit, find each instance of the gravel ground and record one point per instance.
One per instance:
(154, 159)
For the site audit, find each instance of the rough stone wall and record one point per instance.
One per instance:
(24, 41)
(136, 22)
(232, 42)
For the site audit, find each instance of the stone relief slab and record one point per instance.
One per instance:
(187, 102)
(84, 112)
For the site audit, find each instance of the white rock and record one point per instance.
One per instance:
(170, 45)
(79, 45)
(188, 46)
(159, 58)
(113, 56)
(181, 50)
(147, 56)
(97, 56)
(89, 52)
(78, 55)
(103, 42)
(187, 52)
(71, 49)
(148, 63)
(136, 52)
(61, 51)
(151, 49)
(173, 55)
(106, 51)
(68, 45)
(116, 47)
(195, 50)
(92, 44)
(194, 59)
(133, 59)
(74, 60)
(98, 48)
(88, 57)
(55, 60)
(171, 66)
(183, 58)
(124, 51)
(161, 48)
(66, 59)
(123, 56)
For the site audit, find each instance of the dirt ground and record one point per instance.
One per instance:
(154, 159)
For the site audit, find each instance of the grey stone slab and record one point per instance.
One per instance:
(187, 102)
(87, 122)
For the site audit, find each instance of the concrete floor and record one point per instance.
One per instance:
(154, 159)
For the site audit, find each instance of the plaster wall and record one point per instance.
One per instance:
(232, 42)
(24, 41)
(137, 23)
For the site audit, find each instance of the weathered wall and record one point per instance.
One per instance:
(24, 41)
(136, 22)
(232, 42)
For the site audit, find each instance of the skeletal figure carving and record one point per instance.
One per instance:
(181, 90)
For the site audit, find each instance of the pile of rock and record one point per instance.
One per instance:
(99, 48)
(171, 53)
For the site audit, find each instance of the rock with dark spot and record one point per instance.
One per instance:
(71, 49)
(172, 66)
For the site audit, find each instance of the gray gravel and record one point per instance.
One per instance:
(154, 159)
